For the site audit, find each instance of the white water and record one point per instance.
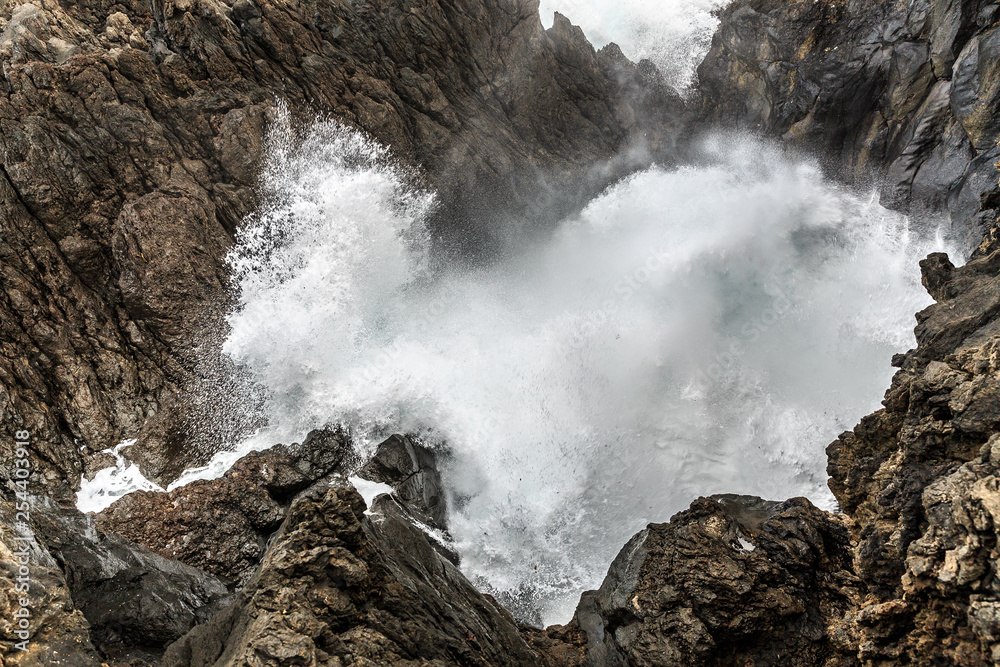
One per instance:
(113, 482)
(674, 34)
(699, 330)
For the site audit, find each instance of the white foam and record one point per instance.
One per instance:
(369, 490)
(700, 330)
(113, 482)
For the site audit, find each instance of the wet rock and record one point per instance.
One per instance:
(337, 586)
(936, 272)
(902, 96)
(731, 580)
(222, 525)
(58, 633)
(134, 600)
(411, 470)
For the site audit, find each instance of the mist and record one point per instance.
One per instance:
(674, 34)
(704, 329)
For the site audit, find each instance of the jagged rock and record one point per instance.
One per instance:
(936, 272)
(338, 587)
(58, 632)
(411, 470)
(131, 135)
(903, 95)
(915, 479)
(222, 525)
(732, 580)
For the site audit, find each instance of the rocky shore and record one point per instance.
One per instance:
(130, 135)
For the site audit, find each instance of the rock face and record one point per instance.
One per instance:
(411, 470)
(733, 580)
(918, 479)
(135, 601)
(58, 632)
(342, 585)
(338, 587)
(92, 598)
(907, 93)
(129, 141)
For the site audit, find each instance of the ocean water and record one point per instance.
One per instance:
(698, 330)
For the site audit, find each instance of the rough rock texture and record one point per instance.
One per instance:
(134, 600)
(92, 598)
(130, 135)
(411, 470)
(733, 580)
(59, 633)
(908, 92)
(918, 480)
(222, 525)
(338, 587)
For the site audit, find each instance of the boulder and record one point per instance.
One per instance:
(732, 580)
(222, 526)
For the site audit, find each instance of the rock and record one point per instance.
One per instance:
(129, 151)
(58, 632)
(337, 587)
(916, 480)
(411, 470)
(899, 95)
(222, 525)
(731, 580)
(936, 272)
(135, 601)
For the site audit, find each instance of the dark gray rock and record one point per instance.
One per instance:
(411, 470)
(130, 596)
(901, 96)
(57, 633)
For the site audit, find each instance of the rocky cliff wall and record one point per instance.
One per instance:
(902, 94)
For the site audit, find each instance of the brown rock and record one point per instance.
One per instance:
(733, 580)
(338, 586)
(222, 525)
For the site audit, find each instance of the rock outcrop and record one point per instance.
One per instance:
(222, 525)
(905, 94)
(75, 596)
(57, 633)
(733, 580)
(135, 601)
(918, 479)
(130, 136)
(339, 587)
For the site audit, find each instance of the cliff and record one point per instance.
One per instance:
(903, 95)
